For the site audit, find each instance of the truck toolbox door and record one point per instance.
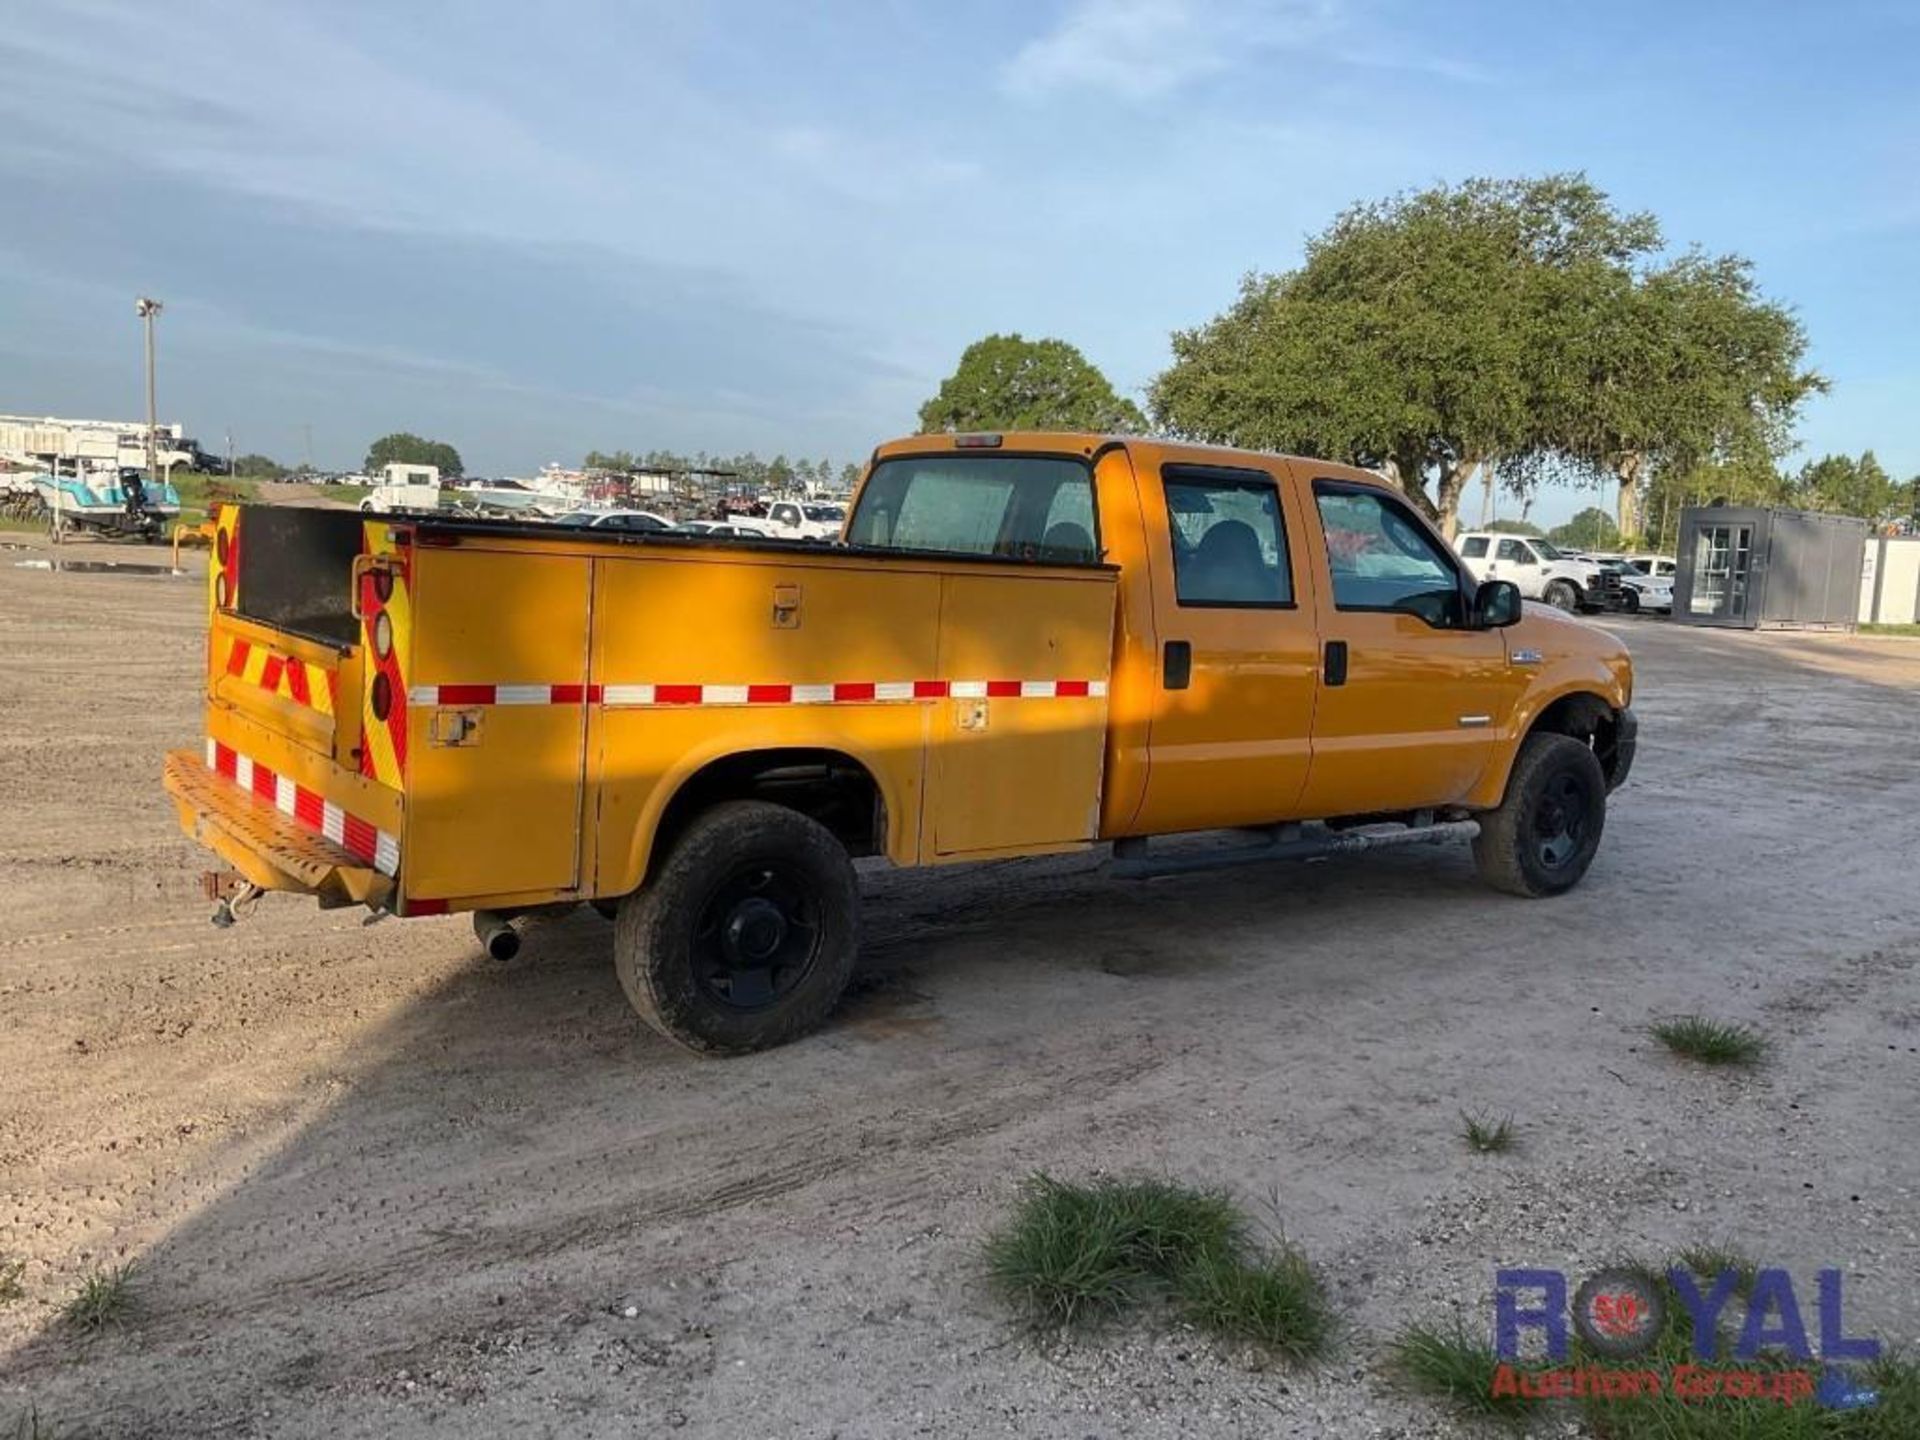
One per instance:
(497, 722)
(1413, 702)
(1232, 710)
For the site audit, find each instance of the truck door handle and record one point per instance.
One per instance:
(1334, 670)
(1176, 670)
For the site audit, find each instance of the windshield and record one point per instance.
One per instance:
(1019, 507)
(825, 512)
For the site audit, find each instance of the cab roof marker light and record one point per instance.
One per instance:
(976, 442)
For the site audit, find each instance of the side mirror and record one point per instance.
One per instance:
(1496, 604)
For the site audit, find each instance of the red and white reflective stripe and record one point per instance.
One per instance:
(307, 807)
(844, 692)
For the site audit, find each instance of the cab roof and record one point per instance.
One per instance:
(1085, 444)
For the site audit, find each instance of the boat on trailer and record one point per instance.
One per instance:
(115, 504)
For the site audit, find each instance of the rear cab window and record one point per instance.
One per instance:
(1014, 507)
(1473, 547)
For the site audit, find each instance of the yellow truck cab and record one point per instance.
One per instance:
(1023, 643)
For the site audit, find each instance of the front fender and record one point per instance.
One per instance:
(1571, 677)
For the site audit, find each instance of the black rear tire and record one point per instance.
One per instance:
(1547, 830)
(745, 935)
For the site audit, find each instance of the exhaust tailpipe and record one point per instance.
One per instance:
(497, 934)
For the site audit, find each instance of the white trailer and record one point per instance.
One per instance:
(405, 488)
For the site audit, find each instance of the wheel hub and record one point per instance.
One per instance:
(754, 931)
(757, 936)
(1559, 821)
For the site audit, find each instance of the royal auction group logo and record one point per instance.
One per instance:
(1621, 1314)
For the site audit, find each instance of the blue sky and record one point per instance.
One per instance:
(539, 229)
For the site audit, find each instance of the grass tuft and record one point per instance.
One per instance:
(1456, 1366)
(1486, 1134)
(1076, 1254)
(1711, 1042)
(104, 1298)
(1708, 1262)
(1894, 1414)
(10, 1287)
(1275, 1301)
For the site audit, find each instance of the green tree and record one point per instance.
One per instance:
(1591, 529)
(1518, 321)
(1515, 527)
(1682, 365)
(402, 448)
(1006, 382)
(258, 467)
(1846, 486)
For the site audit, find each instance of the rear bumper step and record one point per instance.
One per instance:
(271, 848)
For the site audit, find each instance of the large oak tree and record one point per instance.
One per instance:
(1525, 322)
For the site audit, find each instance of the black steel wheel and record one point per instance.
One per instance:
(757, 936)
(745, 932)
(1547, 830)
(1559, 820)
(1562, 595)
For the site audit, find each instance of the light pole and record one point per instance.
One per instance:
(149, 310)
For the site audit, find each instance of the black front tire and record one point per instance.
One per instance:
(1547, 830)
(745, 935)
(1562, 595)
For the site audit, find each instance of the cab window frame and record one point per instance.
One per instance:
(1236, 477)
(1463, 583)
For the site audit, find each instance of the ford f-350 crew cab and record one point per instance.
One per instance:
(1026, 643)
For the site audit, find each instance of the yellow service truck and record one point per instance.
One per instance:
(1023, 644)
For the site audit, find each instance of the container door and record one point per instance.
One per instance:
(496, 723)
(1722, 572)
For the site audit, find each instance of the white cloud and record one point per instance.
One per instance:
(1138, 49)
(1142, 49)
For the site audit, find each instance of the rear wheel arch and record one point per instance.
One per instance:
(831, 786)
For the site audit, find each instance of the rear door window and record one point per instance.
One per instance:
(1229, 541)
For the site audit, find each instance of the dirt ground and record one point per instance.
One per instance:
(378, 1185)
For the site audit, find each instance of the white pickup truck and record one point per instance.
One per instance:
(796, 520)
(1539, 570)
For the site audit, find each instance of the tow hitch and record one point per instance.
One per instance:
(233, 896)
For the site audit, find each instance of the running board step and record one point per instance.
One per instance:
(1132, 859)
